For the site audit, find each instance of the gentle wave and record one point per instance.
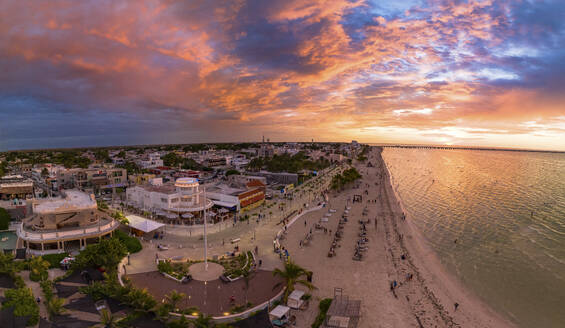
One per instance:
(507, 212)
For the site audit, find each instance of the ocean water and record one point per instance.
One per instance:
(507, 212)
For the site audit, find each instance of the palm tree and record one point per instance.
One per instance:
(107, 319)
(174, 298)
(55, 306)
(292, 275)
(38, 268)
(203, 321)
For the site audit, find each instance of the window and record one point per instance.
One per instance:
(163, 200)
(174, 200)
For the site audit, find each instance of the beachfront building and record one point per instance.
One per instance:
(240, 197)
(180, 201)
(15, 187)
(64, 224)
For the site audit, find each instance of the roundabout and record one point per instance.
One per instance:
(199, 272)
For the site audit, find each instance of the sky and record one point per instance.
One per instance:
(100, 72)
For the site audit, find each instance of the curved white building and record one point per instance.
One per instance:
(65, 224)
(184, 196)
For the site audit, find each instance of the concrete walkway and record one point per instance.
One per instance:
(251, 233)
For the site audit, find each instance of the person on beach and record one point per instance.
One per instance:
(456, 305)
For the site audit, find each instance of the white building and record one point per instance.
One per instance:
(184, 196)
(153, 160)
(65, 224)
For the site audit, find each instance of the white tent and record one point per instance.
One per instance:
(143, 224)
(280, 311)
(294, 299)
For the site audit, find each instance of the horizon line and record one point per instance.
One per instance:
(390, 145)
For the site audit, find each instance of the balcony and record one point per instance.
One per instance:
(77, 233)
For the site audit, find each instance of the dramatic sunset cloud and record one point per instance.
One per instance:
(485, 73)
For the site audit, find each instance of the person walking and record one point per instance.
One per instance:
(456, 305)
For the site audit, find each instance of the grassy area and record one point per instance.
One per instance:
(132, 244)
(54, 259)
(177, 270)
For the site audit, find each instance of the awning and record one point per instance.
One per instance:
(280, 311)
(171, 216)
(143, 224)
(224, 204)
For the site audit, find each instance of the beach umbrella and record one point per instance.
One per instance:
(171, 215)
(187, 216)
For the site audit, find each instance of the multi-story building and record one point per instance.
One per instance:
(64, 224)
(15, 186)
(101, 178)
(184, 196)
(150, 161)
(241, 195)
(215, 161)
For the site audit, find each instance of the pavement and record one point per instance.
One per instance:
(253, 234)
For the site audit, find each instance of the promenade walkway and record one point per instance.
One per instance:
(186, 241)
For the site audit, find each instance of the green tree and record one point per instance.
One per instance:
(121, 154)
(131, 167)
(172, 159)
(107, 254)
(38, 268)
(232, 172)
(182, 322)
(203, 321)
(55, 306)
(107, 319)
(4, 219)
(293, 274)
(140, 300)
(174, 298)
(6, 263)
(45, 172)
(23, 304)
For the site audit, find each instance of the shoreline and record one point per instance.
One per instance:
(444, 284)
(397, 251)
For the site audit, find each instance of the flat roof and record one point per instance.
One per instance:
(74, 200)
(143, 224)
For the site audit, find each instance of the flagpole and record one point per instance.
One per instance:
(205, 235)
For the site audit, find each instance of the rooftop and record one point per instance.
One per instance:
(73, 200)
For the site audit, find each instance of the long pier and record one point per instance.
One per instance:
(447, 147)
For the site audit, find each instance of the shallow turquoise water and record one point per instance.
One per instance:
(511, 258)
(8, 240)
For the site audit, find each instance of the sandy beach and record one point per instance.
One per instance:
(425, 295)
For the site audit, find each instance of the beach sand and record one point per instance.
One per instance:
(426, 300)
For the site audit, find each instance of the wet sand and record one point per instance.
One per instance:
(426, 300)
